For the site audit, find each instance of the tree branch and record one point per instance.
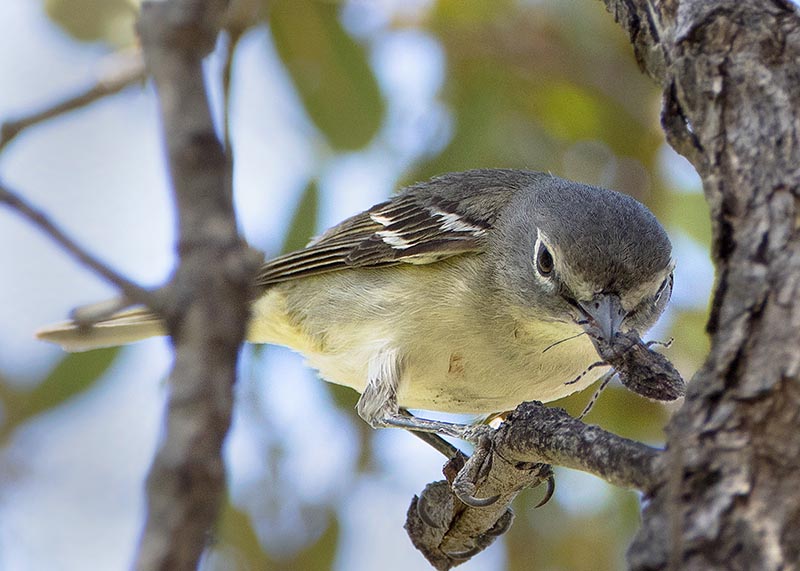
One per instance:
(534, 433)
(131, 70)
(132, 291)
(448, 532)
(207, 307)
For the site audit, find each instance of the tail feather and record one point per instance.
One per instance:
(118, 329)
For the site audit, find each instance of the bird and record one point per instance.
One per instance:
(468, 293)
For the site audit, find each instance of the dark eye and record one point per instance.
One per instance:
(544, 261)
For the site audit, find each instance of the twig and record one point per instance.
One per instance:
(234, 35)
(132, 72)
(131, 290)
(209, 293)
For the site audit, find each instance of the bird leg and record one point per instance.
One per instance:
(378, 403)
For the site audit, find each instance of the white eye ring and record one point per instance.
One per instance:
(663, 287)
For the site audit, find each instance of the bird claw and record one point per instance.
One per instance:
(424, 513)
(551, 489)
(476, 468)
(484, 540)
(476, 434)
(465, 491)
(502, 525)
(464, 555)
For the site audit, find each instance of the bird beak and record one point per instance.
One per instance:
(606, 312)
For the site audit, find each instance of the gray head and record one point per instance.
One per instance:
(575, 252)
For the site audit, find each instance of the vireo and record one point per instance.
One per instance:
(467, 293)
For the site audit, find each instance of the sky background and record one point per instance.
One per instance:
(71, 478)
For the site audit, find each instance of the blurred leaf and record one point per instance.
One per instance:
(468, 12)
(320, 555)
(691, 343)
(343, 397)
(620, 411)
(492, 126)
(241, 549)
(111, 21)
(567, 111)
(329, 69)
(73, 375)
(237, 536)
(689, 212)
(304, 219)
(523, 94)
(558, 536)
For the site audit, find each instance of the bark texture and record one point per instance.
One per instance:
(730, 72)
(206, 303)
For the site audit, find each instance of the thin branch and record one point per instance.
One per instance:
(131, 290)
(234, 35)
(130, 71)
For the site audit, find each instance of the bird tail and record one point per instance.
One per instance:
(119, 328)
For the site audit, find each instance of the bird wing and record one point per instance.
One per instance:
(415, 227)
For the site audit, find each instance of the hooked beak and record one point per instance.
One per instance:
(606, 311)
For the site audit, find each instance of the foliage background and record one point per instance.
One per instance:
(332, 105)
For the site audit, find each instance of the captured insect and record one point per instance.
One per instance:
(640, 369)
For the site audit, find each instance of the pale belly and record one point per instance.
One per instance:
(442, 370)
(495, 377)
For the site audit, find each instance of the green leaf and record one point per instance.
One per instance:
(73, 375)
(304, 219)
(689, 212)
(329, 69)
(239, 541)
(111, 21)
(238, 538)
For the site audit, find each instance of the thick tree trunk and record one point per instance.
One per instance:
(730, 70)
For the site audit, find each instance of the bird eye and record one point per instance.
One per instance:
(544, 261)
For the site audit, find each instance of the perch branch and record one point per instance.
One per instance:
(448, 532)
(535, 433)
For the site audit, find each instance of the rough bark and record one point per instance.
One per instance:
(205, 304)
(730, 72)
